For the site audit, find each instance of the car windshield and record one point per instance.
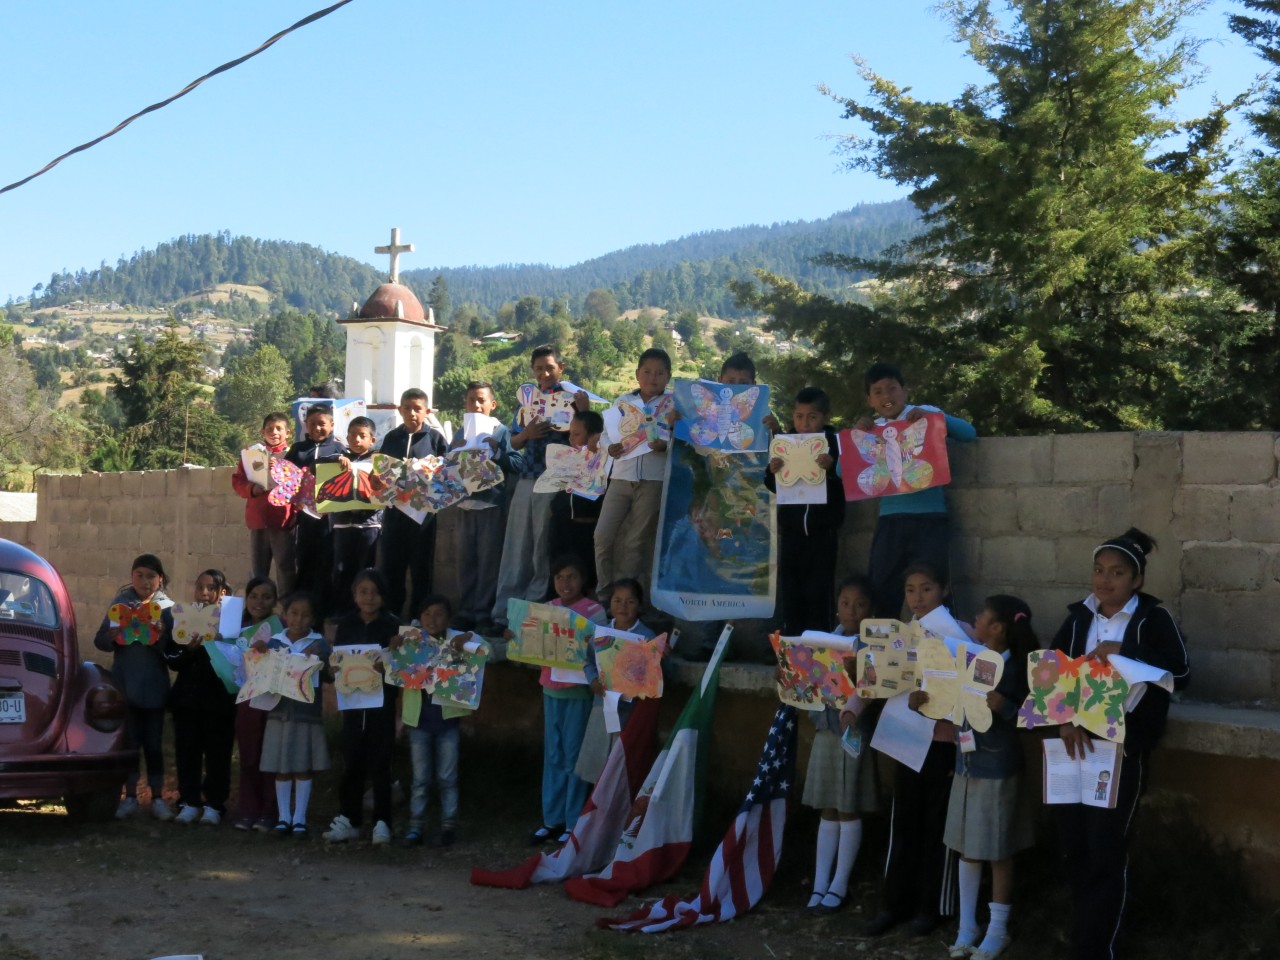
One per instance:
(26, 600)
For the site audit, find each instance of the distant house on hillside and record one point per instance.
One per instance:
(502, 336)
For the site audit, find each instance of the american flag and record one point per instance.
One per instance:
(743, 865)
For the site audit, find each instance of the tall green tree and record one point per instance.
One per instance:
(1052, 285)
(438, 300)
(253, 386)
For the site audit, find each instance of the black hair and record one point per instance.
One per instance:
(593, 420)
(930, 570)
(655, 353)
(364, 422)
(325, 408)
(301, 596)
(480, 385)
(149, 561)
(858, 582)
(569, 560)
(415, 393)
(815, 397)
(546, 350)
(628, 583)
(375, 577)
(1133, 545)
(256, 582)
(435, 600)
(739, 361)
(219, 579)
(325, 391)
(276, 417)
(1015, 616)
(882, 371)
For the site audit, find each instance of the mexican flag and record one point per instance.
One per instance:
(659, 828)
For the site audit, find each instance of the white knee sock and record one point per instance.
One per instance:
(998, 932)
(828, 837)
(846, 856)
(284, 788)
(970, 881)
(302, 797)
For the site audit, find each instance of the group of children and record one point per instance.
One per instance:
(281, 741)
(961, 807)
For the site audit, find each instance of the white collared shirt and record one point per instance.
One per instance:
(1111, 629)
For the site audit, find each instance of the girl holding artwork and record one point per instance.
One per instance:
(367, 735)
(986, 823)
(204, 717)
(566, 706)
(140, 670)
(841, 785)
(293, 747)
(628, 524)
(256, 797)
(1116, 618)
(918, 861)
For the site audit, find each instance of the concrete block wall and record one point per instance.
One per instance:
(1027, 512)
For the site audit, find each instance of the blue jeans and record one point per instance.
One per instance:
(563, 791)
(434, 754)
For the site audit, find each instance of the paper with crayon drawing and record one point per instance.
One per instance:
(139, 623)
(279, 672)
(722, 416)
(356, 678)
(811, 672)
(894, 458)
(1076, 690)
(958, 683)
(630, 665)
(800, 480)
(546, 635)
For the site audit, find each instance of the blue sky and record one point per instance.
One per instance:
(489, 132)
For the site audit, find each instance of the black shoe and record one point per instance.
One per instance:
(411, 839)
(924, 924)
(545, 834)
(445, 838)
(881, 924)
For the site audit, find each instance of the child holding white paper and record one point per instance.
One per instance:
(367, 735)
(841, 785)
(809, 533)
(626, 600)
(271, 535)
(986, 823)
(918, 859)
(293, 746)
(204, 717)
(256, 795)
(433, 737)
(140, 670)
(628, 524)
(1116, 619)
(574, 517)
(479, 524)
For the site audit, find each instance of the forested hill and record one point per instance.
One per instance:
(685, 274)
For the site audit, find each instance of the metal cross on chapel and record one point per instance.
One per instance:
(395, 249)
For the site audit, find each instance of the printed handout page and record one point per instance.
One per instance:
(1092, 779)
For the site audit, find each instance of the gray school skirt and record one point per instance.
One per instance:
(987, 819)
(835, 780)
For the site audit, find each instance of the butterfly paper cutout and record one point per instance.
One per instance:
(338, 489)
(254, 460)
(799, 455)
(195, 622)
(893, 453)
(138, 624)
(287, 477)
(958, 683)
(477, 469)
(639, 426)
(533, 403)
(355, 672)
(721, 417)
(279, 672)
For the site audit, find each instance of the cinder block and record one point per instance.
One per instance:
(1057, 509)
(1204, 619)
(1253, 617)
(1231, 674)
(1255, 514)
(199, 481)
(1202, 513)
(1018, 559)
(174, 485)
(109, 485)
(1075, 558)
(122, 510)
(1093, 458)
(1015, 460)
(986, 511)
(1115, 509)
(1236, 458)
(1157, 455)
(963, 458)
(1227, 566)
(133, 484)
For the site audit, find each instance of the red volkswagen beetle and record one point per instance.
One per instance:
(62, 721)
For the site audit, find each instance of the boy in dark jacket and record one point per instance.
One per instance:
(355, 532)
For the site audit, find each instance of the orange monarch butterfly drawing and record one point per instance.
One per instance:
(338, 489)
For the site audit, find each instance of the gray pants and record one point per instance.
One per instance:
(626, 531)
(526, 568)
(266, 545)
(477, 555)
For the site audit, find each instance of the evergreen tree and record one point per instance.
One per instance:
(253, 386)
(1052, 285)
(438, 300)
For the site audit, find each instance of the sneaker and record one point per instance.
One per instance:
(127, 808)
(989, 951)
(341, 830)
(210, 818)
(187, 814)
(244, 823)
(381, 833)
(445, 838)
(161, 810)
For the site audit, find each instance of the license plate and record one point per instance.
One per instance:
(13, 708)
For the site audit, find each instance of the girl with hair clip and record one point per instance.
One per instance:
(1116, 618)
(986, 823)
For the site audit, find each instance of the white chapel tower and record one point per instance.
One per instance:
(391, 344)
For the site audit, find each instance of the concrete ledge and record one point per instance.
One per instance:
(1243, 732)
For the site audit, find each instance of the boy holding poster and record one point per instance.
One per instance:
(270, 527)
(809, 533)
(355, 532)
(912, 526)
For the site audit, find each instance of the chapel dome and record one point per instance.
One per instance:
(382, 305)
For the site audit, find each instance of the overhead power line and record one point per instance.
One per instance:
(181, 93)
